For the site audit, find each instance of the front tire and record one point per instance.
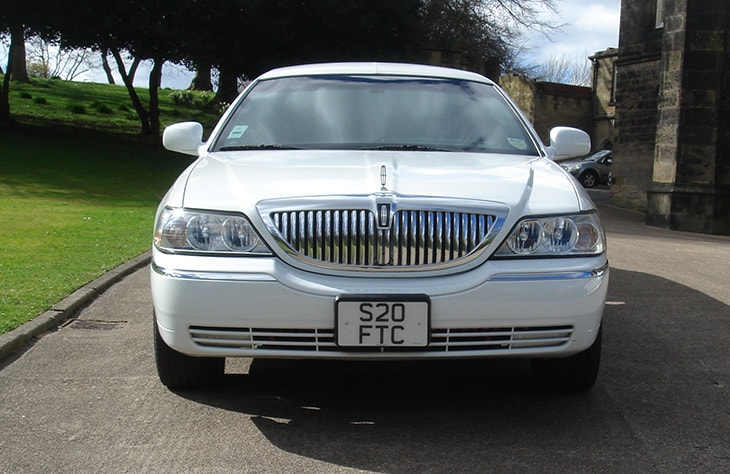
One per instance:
(576, 373)
(180, 371)
(589, 179)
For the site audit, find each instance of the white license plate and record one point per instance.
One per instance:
(382, 321)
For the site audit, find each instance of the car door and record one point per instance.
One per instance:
(603, 166)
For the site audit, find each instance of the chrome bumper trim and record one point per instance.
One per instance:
(233, 276)
(597, 272)
(211, 276)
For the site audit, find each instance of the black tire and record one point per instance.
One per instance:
(589, 179)
(180, 371)
(576, 373)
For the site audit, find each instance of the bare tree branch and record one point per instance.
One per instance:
(563, 69)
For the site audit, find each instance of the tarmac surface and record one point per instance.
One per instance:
(84, 396)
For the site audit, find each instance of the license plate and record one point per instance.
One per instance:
(382, 321)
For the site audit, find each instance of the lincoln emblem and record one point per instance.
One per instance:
(383, 177)
(383, 216)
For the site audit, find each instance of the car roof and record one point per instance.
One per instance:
(375, 68)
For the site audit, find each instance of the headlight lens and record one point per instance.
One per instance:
(180, 230)
(526, 238)
(574, 235)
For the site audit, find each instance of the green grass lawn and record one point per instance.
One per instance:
(74, 203)
(102, 107)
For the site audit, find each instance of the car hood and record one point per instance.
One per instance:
(237, 181)
(574, 162)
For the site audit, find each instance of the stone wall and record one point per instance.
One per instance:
(690, 188)
(637, 86)
(547, 104)
(636, 118)
(672, 158)
(522, 92)
(564, 105)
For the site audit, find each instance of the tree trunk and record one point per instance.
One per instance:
(106, 67)
(141, 112)
(17, 58)
(227, 87)
(155, 81)
(133, 69)
(5, 99)
(5, 89)
(202, 80)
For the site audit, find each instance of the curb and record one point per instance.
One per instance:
(15, 340)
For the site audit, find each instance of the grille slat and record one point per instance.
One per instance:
(351, 237)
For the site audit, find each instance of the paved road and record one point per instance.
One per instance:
(85, 398)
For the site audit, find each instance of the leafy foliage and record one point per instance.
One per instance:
(243, 38)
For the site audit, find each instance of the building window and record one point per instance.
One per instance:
(659, 14)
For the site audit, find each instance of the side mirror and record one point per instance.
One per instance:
(184, 137)
(567, 142)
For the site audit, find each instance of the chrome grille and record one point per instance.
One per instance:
(471, 339)
(264, 339)
(450, 340)
(353, 237)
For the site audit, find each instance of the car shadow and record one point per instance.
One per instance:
(477, 415)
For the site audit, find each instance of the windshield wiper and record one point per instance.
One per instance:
(262, 146)
(406, 148)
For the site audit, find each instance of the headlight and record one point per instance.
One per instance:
(574, 235)
(179, 230)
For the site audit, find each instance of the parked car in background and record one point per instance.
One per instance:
(376, 212)
(592, 169)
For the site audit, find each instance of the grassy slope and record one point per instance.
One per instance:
(74, 202)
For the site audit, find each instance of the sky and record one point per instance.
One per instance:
(589, 26)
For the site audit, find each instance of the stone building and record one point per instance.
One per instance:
(603, 108)
(672, 91)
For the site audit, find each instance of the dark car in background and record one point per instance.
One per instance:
(592, 169)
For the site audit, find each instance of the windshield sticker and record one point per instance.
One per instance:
(517, 143)
(237, 132)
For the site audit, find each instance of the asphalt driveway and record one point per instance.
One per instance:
(85, 397)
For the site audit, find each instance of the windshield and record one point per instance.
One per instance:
(375, 112)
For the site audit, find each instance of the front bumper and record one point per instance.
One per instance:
(535, 308)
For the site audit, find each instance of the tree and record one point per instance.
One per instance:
(106, 67)
(146, 30)
(10, 24)
(18, 17)
(563, 69)
(202, 81)
(485, 32)
(17, 54)
(46, 59)
(243, 38)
